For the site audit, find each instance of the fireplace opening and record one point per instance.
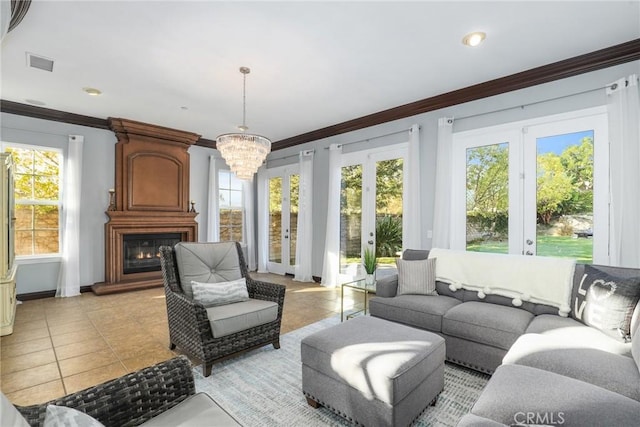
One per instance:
(140, 251)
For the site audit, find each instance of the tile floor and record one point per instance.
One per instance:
(62, 345)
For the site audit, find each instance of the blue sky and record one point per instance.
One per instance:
(557, 143)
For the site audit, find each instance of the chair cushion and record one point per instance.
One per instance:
(220, 293)
(197, 410)
(231, 318)
(421, 311)
(513, 391)
(416, 277)
(206, 263)
(576, 360)
(485, 323)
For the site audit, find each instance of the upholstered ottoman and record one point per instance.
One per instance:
(372, 371)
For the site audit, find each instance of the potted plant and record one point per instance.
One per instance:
(370, 263)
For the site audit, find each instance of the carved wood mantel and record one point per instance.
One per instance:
(151, 196)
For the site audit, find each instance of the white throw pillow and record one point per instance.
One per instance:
(61, 416)
(9, 415)
(417, 277)
(220, 293)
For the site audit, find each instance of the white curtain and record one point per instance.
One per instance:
(263, 220)
(331, 265)
(304, 236)
(69, 274)
(442, 203)
(249, 221)
(213, 226)
(5, 17)
(624, 151)
(412, 238)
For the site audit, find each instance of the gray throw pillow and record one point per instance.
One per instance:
(416, 277)
(220, 293)
(61, 416)
(610, 302)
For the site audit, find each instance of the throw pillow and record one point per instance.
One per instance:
(61, 416)
(417, 277)
(610, 302)
(9, 415)
(220, 293)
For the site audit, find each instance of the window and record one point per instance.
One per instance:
(231, 207)
(38, 183)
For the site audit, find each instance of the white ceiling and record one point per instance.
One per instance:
(313, 64)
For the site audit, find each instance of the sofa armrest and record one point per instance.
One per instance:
(387, 287)
(129, 400)
(267, 291)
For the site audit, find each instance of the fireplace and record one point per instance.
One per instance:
(140, 252)
(150, 205)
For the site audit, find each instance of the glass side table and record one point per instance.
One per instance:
(358, 285)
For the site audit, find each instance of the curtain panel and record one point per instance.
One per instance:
(69, 274)
(331, 265)
(624, 156)
(213, 226)
(442, 203)
(304, 236)
(412, 238)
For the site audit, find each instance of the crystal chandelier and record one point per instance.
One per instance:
(243, 152)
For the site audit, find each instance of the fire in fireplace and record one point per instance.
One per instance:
(140, 251)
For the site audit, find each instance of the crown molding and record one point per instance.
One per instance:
(597, 60)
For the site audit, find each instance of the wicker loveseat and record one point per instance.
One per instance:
(190, 323)
(163, 394)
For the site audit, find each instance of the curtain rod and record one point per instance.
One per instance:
(535, 103)
(373, 137)
(304, 153)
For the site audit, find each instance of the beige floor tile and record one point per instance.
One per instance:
(24, 326)
(65, 328)
(74, 337)
(93, 377)
(87, 362)
(20, 337)
(26, 361)
(80, 348)
(65, 318)
(147, 359)
(30, 377)
(37, 394)
(30, 346)
(129, 352)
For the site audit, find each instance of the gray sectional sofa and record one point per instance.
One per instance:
(546, 369)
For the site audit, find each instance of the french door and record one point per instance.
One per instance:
(536, 188)
(283, 191)
(371, 207)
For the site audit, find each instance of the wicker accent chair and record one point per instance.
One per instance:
(189, 325)
(129, 400)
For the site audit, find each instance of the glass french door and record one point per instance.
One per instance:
(538, 189)
(283, 192)
(371, 208)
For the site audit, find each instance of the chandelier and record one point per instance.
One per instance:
(243, 152)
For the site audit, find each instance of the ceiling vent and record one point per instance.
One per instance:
(39, 62)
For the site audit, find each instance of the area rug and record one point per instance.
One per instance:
(263, 388)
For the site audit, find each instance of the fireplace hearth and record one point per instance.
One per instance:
(150, 205)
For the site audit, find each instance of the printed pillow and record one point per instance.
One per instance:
(417, 277)
(61, 416)
(610, 302)
(220, 293)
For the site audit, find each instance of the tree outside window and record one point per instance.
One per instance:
(37, 200)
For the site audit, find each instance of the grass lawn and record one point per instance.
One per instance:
(561, 246)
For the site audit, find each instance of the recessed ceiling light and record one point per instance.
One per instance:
(92, 91)
(34, 102)
(474, 39)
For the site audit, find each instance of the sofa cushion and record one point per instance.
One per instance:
(57, 416)
(576, 360)
(549, 322)
(609, 301)
(515, 391)
(197, 410)
(220, 293)
(471, 420)
(416, 277)
(232, 318)
(206, 263)
(421, 311)
(485, 323)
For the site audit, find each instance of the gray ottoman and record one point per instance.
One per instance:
(372, 371)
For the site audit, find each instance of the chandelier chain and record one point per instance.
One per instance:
(244, 102)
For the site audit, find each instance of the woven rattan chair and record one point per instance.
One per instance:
(189, 326)
(129, 400)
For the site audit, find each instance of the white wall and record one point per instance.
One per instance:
(99, 154)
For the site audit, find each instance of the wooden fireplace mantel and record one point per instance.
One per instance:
(151, 196)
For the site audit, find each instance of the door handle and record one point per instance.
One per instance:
(286, 236)
(528, 253)
(529, 242)
(370, 242)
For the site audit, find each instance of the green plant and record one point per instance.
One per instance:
(388, 235)
(369, 261)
